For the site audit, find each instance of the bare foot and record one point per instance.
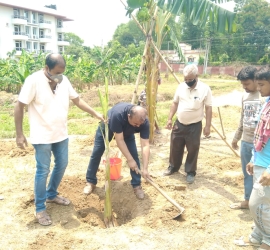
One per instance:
(264, 247)
(240, 205)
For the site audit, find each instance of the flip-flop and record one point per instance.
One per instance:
(59, 200)
(43, 218)
(238, 205)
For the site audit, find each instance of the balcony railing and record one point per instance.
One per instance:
(45, 21)
(19, 33)
(43, 36)
(35, 51)
(19, 48)
(19, 17)
(61, 39)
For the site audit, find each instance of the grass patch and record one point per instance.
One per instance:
(81, 123)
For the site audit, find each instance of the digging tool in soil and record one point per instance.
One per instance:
(181, 209)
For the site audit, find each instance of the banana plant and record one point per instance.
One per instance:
(199, 12)
(108, 214)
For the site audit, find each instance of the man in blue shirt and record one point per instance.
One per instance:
(125, 120)
(259, 167)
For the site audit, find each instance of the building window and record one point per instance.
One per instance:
(60, 37)
(16, 13)
(59, 23)
(35, 46)
(42, 47)
(40, 18)
(27, 31)
(28, 46)
(34, 17)
(26, 15)
(60, 49)
(35, 36)
(191, 59)
(18, 45)
(41, 33)
(17, 29)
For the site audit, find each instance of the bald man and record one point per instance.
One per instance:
(125, 120)
(47, 93)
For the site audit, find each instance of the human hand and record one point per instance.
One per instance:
(265, 179)
(21, 142)
(234, 145)
(100, 117)
(145, 174)
(249, 168)
(169, 124)
(206, 131)
(133, 165)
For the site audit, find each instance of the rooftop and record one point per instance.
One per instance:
(37, 8)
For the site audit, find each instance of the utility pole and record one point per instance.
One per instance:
(207, 50)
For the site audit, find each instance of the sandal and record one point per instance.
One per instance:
(59, 200)
(43, 218)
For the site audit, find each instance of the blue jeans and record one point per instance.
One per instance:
(43, 160)
(98, 151)
(246, 154)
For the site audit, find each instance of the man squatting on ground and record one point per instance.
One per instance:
(259, 167)
(251, 106)
(189, 102)
(124, 121)
(47, 93)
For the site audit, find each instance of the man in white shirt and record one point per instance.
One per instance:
(190, 100)
(47, 93)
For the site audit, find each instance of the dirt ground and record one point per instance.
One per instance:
(207, 223)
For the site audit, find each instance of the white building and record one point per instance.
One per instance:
(34, 29)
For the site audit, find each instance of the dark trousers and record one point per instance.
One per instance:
(189, 136)
(98, 151)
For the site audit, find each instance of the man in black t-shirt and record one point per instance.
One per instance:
(125, 120)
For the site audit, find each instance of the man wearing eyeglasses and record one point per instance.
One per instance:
(47, 93)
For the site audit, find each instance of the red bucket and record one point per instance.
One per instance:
(115, 168)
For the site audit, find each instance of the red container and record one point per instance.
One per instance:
(115, 168)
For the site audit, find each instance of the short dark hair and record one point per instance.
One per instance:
(51, 61)
(263, 73)
(247, 73)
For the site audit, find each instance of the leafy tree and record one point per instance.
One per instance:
(73, 39)
(76, 47)
(159, 14)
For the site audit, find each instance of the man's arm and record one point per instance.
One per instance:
(173, 110)
(208, 118)
(119, 138)
(81, 104)
(145, 157)
(239, 132)
(18, 118)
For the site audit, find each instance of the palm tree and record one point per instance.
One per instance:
(153, 15)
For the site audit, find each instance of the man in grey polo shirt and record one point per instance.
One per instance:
(190, 100)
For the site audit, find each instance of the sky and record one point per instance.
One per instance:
(94, 20)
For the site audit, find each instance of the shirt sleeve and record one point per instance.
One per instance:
(28, 91)
(144, 133)
(176, 95)
(72, 93)
(115, 123)
(208, 98)
(239, 131)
